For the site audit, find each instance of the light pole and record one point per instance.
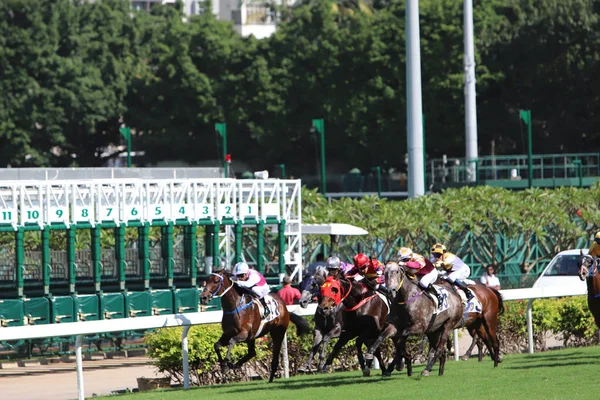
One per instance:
(126, 133)
(319, 125)
(221, 128)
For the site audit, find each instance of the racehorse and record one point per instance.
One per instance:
(484, 325)
(242, 321)
(364, 316)
(327, 327)
(414, 313)
(588, 271)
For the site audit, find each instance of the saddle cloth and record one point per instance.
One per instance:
(272, 304)
(444, 306)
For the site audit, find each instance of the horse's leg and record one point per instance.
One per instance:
(381, 362)
(388, 331)
(487, 332)
(344, 338)
(249, 355)
(479, 349)
(318, 341)
(361, 359)
(473, 333)
(217, 346)
(401, 355)
(335, 332)
(277, 336)
(443, 360)
(437, 341)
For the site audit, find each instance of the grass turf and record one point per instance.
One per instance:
(561, 374)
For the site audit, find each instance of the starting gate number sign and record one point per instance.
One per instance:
(121, 200)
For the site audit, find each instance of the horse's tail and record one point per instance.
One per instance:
(500, 301)
(302, 325)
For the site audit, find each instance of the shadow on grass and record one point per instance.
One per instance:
(299, 382)
(551, 356)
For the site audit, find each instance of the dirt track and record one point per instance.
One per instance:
(59, 381)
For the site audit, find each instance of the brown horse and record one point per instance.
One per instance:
(484, 324)
(414, 313)
(588, 271)
(242, 320)
(364, 316)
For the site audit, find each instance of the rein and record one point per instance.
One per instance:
(222, 284)
(413, 298)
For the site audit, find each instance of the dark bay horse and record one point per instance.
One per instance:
(364, 316)
(588, 271)
(484, 324)
(327, 326)
(414, 313)
(242, 321)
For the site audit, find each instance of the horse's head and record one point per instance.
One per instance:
(331, 295)
(586, 263)
(394, 277)
(214, 285)
(311, 285)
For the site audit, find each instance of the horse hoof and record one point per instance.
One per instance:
(400, 366)
(425, 373)
(303, 369)
(500, 359)
(366, 373)
(325, 369)
(465, 358)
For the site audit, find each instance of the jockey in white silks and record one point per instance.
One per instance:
(254, 282)
(454, 269)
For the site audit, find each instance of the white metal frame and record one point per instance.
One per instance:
(114, 200)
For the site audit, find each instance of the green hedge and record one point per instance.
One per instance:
(568, 318)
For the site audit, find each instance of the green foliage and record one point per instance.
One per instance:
(75, 71)
(568, 318)
(484, 225)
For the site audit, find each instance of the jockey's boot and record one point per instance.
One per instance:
(431, 289)
(465, 289)
(263, 301)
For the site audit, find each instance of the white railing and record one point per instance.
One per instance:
(187, 320)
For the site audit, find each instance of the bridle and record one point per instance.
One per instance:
(221, 285)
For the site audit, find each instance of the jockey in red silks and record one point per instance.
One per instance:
(423, 269)
(370, 268)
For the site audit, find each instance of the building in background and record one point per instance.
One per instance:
(249, 17)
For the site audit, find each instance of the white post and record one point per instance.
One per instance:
(414, 106)
(456, 345)
(79, 365)
(184, 352)
(470, 105)
(286, 360)
(530, 342)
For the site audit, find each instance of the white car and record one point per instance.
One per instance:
(562, 271)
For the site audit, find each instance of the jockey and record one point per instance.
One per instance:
(594, 250)
(254, 282)
(370, 268)
(336, 267)
(454, 268)
(424, 269)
